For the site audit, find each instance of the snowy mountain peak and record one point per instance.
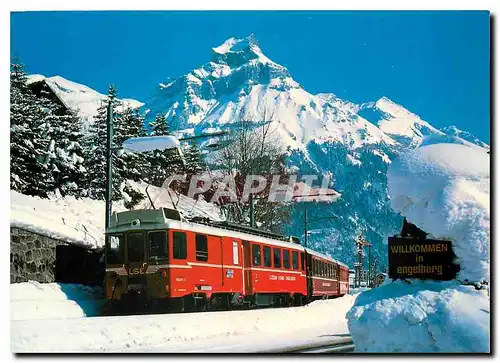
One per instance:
(236, 52)
(395, 120)
(465, 135)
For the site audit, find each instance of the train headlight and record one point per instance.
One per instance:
(135, 223)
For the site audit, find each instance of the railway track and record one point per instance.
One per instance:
(341, 346)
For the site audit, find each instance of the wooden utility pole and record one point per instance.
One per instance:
(305, 226)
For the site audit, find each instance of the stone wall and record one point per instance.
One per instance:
(32, 256)
(44, 259)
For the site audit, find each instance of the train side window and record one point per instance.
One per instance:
(256, 254)
(286, 259)
(315, 267)
(235, 253)
(302, 261)
(201, 247)
(295, 260)
(179, 245)
(277, 257)
(267, 256)
(157, 246)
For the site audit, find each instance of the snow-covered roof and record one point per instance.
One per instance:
(78, 97)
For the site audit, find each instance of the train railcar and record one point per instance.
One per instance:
(155, 257)
(327, 277)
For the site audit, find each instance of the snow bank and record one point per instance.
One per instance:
(230, 331)
(421, 317)
(32, 300)
(81, 221)
(444, 189)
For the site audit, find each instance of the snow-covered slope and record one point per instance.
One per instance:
(464, 135)
(78, 97)
(240, 82)
(81, 221)
(396, 121)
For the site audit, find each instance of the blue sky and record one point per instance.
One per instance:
(436, 64)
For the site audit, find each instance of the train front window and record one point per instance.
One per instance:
(114, 250)
(135, 247)
(157, 245)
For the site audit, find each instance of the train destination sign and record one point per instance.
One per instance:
(421, 259)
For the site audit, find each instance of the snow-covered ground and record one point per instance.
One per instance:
(444, 190)
(33, 300)
(81, 221)
(443, 317)
(35, 327)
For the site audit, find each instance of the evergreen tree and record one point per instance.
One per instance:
(95, 153)
(163, 163)
(65, 153)
(130, 123)
(159, 126)
(29, 174)
(193, 159)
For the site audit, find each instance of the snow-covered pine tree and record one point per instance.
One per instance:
(193, 159)
(95, 153)
(132, 166)
(163, 163)
(159, 126)
(65, 154)
(29, 174)
(131, 124)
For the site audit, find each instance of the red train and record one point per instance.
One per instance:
(154, 257)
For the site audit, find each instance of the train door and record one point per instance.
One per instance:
(231, 265)
(309, 272)
(338, 277)
(247, 265)
(136, 256)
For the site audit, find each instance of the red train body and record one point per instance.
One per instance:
(198, 266)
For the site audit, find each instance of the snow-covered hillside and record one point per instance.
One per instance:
(81, 221)
(78, 97)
